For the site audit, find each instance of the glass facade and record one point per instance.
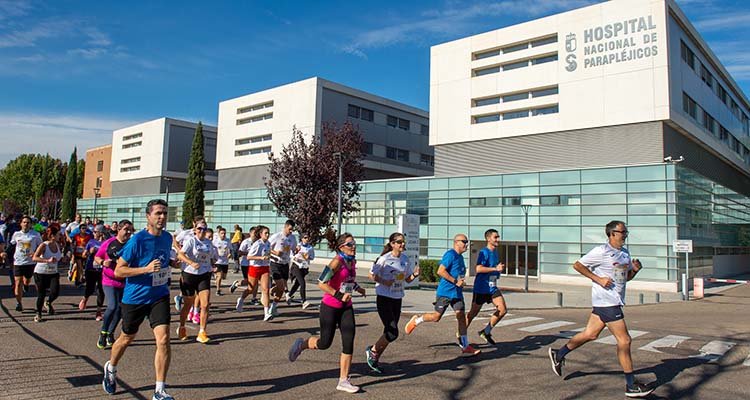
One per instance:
(660, 203)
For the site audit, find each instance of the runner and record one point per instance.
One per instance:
(258, 271)
(609, 267)
(93, 273)
(236, 240)
(113, 287)
(449, 293)
(390, 272)
(300, 269)
(282, 243)
(79, 237)
(25, 241)
(337, 281)
(144, 263)
(47, 255)
(242, 251)
(196, 255)
(179, 239)
(223, 247)
(486, 290)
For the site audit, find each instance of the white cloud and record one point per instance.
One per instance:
(29, 36)
(14, 8)
(723, 21)
(54, 134)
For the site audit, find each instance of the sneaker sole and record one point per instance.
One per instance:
(104, 386)
(202, 341)
(637, 395)
(552, 360)
(347, 390)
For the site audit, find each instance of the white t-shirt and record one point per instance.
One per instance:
(200, 251)
(612, 263)
(391, 268)
(259, 248)
(245, 246)
(26, 244)
(49, 268)
(299, 258)
(222, 250)
(71, 227)
(182, 235)
(283, 244)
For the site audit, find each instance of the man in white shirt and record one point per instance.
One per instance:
(282, 244)
(609, 267)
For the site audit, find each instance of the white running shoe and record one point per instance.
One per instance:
(239, 305)
(346, 386)
(288, 299)
(268, 316)
(305, 305)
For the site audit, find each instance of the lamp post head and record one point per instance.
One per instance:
(526, 208)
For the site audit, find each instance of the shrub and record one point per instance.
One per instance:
(428, 270)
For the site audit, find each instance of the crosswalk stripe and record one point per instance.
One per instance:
(666, 341)
(747, 361)
(571, 333)
(544, 327)
(612, 340)
(714, 350)
(521, 320)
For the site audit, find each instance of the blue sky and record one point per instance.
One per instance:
(72, 71)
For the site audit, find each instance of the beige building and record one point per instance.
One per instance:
(96, 174)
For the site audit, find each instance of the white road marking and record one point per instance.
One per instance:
(611, 339)
(667, 341)
(747, 361)
(714, 350)
(570, 334)
(544, 327)
(521, 320)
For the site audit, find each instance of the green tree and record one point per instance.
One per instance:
(71, 187)
(80, 173)
(16, 181)
(41, 180)
(195, 185)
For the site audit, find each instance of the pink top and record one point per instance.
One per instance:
(108, 273)
(343, 277)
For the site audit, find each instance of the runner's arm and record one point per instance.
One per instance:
(585, 271)
(124, 270)
(37, 257)
(333, 266)
(636, 267)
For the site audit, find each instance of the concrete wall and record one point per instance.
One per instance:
(727, 266)
(91, 173)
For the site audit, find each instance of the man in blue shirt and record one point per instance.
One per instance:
(452, 271)
(486, 290)
(144, 263)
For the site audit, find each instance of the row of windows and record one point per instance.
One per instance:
(255, 107)
(691, 108)
(689, 57)
(480, 119)
(131, 145)
(246, 152)
(253, 139)
(506, 98)
(128, 169)
(513, 48)
(133, 136)
(130, 160)
(366, 114)
(257, 118)
(251, 207)
(514, 65)
(360, 113)
(399, 154)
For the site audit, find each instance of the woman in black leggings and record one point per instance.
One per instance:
(46, 276)
(300, 269)
(337, 283)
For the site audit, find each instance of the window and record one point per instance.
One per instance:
(517, 47)
(128, 169)
(687, 55)
(486, 54)
(735, 146)
(366, 148)
(98, 181)
(689, 106)
(403, 124)
(487, 101)
(266, 207)
(130, 160)
(745, 124)
(723, 134)
(367, 115)
(542, 42)
(254, 119)
(255, 107)
(515, 114)
(427, 159)
(546, 110)
(511, 201)
(486, 118)
(515, 97)
(722, 94)
(477, 202)
(397, 154)
(486, 71)
(549, 200)
(131, 145)
(392, 121)
(253, 139)
(258, 150)
(515, 65)
(353, 111)
(100, 166)
(545, 59)
(133, 136)
(424, 129)
(544, 92)
(706, 76)
(709, 122)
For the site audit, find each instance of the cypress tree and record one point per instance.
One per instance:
(193, 204)
(71, 187)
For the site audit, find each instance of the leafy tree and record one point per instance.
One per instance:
(25, 180)
(303, 180)
(80, 173)
(71, 187)
(195, 185)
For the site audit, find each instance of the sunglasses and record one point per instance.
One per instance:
(350, 245)
(201, 228)
(624, 233)
(463, 241)
(398, 241)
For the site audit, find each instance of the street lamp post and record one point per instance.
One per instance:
(96, 196)
(526, 208)
(339, 158)
(168, 181)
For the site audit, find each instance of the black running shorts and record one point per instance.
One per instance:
(191, 284)
(134, 314)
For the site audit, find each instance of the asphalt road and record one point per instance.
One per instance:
(247, 358)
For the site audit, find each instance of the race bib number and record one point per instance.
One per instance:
(25, 249)
(347, 287)
(203, 258)
(222, 251)
(302, 264)
(398, 283)
(160, 277)
(492, 282)
(620, 275)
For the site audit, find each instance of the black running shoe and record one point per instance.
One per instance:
(487, 337)
(102, 342)
(372, 361)
(556, 365)
(110, 339)
(50, 309)
(19, 307)
(638, 390)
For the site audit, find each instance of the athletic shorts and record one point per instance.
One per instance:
(79, 257)
(191, 284)
(257, 272)
(26, 270)
(279, 271)
(442, 303)
(223, 268)
(134, 314)
(609, 314)
(485, 298)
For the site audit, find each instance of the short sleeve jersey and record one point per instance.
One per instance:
(391, 268)
(612, 263)
(259, 248)
(245, 248)
(26, 244)
(486, 283)
(222, 250)
(305, 249)
(138, 252)
(455, 266)
(92, 247)
(284, 244)
(199, 251)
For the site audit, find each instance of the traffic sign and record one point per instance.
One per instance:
(682, 246)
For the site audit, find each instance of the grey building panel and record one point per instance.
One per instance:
(133, 187)
(583, 148)
(243, 177)
(180, 145)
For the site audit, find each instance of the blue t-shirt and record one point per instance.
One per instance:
(139, 251)
(454, 264)
(485, 283)
(92, 247)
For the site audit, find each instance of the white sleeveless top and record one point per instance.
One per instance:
(47, 268)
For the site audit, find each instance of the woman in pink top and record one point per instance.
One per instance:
(337, 283)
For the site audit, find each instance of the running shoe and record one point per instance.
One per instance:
(638, 390)
(70, 274)
(254, 302)
(411, 325)
(238, 307)
(288, 299)
(38, 318)
(470, 351)
(178, 303)
(110, 339)
(556, 365)
(109, 382)
(458, 340)
(202, 337)
(161, 396)
(305, 305)
(99, 316)
(219, 293)
(50, 309)
(487, 337)
(191, 314)
(82, 304)
(102, 342)
(234, 286)
(372, 360)
(296, 349)
(275, 309)
(346, 386)
(197, 317)
(268, 316)
(19, 307)
(182, 333)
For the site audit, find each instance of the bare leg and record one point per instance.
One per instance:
(187, 302)
(500, 310)
(473, 312)
(163, 352)
(205, 299)
(593, 328)
(118, 349)
(345, 362)
(620, 331)
(264, 295)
